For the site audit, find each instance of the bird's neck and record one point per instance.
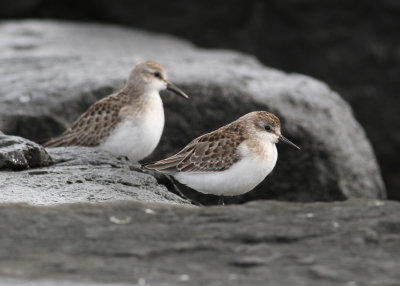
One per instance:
(144, 101)
(138, 94)
(262, 149)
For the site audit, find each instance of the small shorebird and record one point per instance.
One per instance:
(229, 161)
(129, 122)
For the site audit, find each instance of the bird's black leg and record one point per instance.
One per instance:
(178, 192)
(182, 195)
(221, 201)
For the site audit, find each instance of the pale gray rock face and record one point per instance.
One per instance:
(18, 153)
(260, 243)
(82, 174)
(52, 71)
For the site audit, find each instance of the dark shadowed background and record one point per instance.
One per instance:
(352, 45)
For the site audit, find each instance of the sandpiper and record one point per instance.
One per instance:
(229, 161)
(129, 122)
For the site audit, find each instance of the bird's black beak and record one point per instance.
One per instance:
(177, 90)
(287, 141)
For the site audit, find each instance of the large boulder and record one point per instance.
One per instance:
(83, 174)
(52, 71)
(260, 243)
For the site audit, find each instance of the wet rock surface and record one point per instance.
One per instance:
(18, 153)
(260, 243)
(82, 174)
(52, 71)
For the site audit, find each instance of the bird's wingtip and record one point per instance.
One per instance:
(146, 167)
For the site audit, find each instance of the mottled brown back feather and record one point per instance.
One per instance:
(93, 125)
(211, 152)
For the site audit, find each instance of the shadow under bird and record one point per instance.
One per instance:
(127, 123)
(229, 161)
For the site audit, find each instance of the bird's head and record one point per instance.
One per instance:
(268, 127)
(152, 76)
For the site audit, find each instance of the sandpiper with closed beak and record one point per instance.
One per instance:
(229, 161)
(129, 122)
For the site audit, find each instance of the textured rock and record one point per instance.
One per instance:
(261, 243)
(62, 68)
(82, 174)
(17, 153)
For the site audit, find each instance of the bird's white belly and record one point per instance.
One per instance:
(136, 138)
(241, 178)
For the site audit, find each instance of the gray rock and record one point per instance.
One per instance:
(52, 282)
(18, 153)
(61, 68)
(261, 243)
(82, 174)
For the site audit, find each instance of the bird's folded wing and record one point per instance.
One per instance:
(212, 152)
(92, 126)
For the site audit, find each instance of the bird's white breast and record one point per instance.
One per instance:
(240, 178)
(137, 136)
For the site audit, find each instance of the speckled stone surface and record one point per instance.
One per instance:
(260, 243)
(18, 153)
(83, 174)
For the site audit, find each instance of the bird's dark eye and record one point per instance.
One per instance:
(267, 128)
(157, 75)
